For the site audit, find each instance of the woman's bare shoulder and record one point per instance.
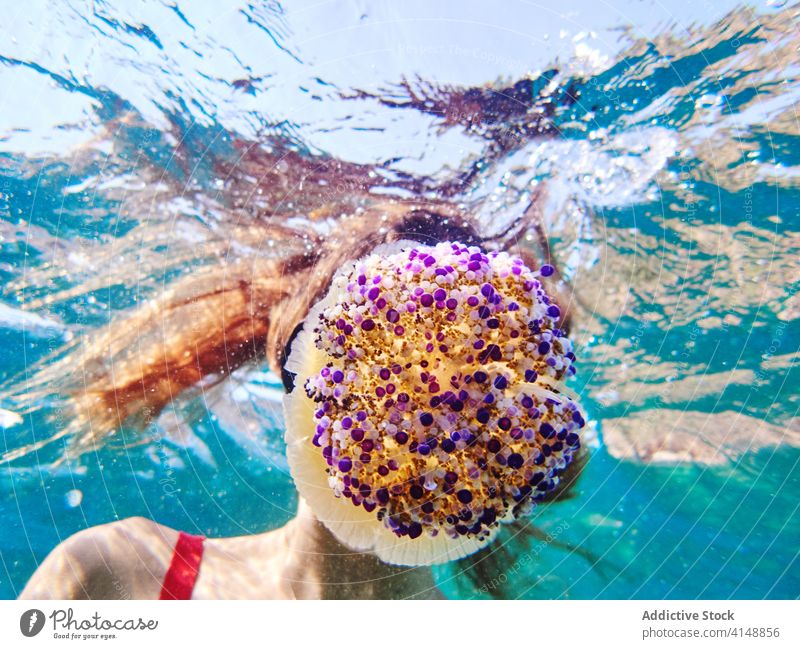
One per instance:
(125, 559)
(246, 567)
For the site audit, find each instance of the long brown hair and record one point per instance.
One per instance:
(242, 300)
(209, 323)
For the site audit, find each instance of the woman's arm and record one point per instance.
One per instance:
(122, 560)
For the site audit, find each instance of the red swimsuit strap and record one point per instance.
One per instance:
(182, 573)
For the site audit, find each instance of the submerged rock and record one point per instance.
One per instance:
(664, 436)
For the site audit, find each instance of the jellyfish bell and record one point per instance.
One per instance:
(430, 405)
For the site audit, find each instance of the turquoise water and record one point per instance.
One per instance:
(668, 169)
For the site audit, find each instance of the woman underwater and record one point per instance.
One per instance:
(424, 366)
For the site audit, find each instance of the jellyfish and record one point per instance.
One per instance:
(429, 405)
